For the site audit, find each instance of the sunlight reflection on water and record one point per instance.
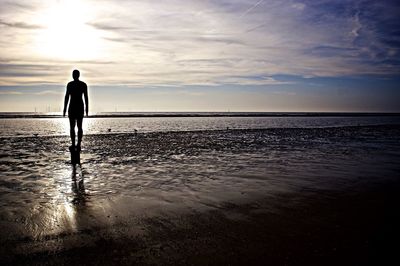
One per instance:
(67, 198)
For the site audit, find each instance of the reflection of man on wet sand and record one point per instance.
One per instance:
(78, 188)
(75, 90)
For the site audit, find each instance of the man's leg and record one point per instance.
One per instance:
(72, 122)
(80, 131)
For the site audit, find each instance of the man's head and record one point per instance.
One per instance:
(75, 74)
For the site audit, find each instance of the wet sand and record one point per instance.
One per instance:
(277, 196)
(348, 230)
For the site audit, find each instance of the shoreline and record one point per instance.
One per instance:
(239, 130)
(5, 115)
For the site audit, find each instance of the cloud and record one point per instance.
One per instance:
(357, 26)
(178, 43)
(178, 92)
(105, 26)
(24, 5)
(47, 92)
(10, 93)
(251, 8)
(28, 70)
(299, 6)
(20, 25)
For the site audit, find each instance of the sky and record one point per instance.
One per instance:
(203, 55)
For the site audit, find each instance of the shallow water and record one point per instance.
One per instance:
(12, 127)
(128, 175)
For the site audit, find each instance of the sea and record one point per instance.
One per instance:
(53, 124)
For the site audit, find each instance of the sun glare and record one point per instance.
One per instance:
(66, 34)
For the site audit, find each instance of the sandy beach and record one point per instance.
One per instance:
(315, 196)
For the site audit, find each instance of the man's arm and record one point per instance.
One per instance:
(66, 100)
(85, 92)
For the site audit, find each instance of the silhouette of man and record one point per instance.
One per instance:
(75, 90)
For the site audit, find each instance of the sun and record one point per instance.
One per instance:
(66, 34)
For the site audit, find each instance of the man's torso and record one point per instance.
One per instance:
(76, 90)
